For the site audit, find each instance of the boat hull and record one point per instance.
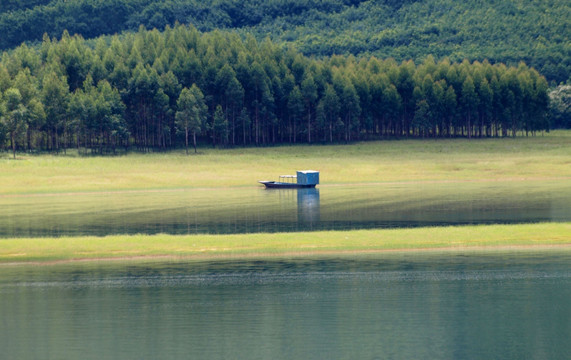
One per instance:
(283, 185)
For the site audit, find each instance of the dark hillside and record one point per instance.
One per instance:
(12, 5)
(508, 31)
(85, 17)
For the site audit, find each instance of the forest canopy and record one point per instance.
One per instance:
(507, 31)
(149, 90)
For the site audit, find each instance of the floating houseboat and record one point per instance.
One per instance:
(303, 179)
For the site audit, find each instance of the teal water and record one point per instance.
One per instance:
(401, 306)
(254, 209)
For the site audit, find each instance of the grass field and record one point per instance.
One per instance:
(540, 157)
(524, 160)
(149, 247)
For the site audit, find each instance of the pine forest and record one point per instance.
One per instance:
(228, 80)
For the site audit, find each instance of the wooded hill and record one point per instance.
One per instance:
(153, 90)
(501, 31)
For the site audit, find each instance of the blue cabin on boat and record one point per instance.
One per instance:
(307, 177)
(303, 179)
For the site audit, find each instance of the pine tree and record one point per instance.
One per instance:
(191, 114)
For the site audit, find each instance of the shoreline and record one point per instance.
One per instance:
(296, 254)
(148, 248)
(214, 188)
(367, 162)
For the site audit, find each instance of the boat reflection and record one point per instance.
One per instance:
(308, 206)
(305, 199)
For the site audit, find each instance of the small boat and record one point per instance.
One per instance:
(303, 179)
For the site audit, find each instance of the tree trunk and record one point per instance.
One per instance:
(469, 126)
(13, 140)
(194, 140)
(257, 126)
(186, 140)
(65, 141)
(233, 127)
(309, 125)
(294, 131)
(244, 132)
(29, 139)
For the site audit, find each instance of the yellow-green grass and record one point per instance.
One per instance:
(539, 157)
(314, 244)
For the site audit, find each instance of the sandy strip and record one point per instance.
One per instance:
(298, 254)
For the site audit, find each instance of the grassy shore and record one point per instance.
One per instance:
(539, 157)
(315, 244)
(527, 160)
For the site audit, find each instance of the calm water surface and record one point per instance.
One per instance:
(447, 306)
(254, 209)
(399, 306)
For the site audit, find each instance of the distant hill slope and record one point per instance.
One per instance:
(509, 31)
(13, 5)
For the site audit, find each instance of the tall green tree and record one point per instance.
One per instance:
(191, 113)
(295, 111)
(350, 105)
(469, 102)
(392, 107)
(55, 96)
(244, 119)
(560, 106)
(235, 94)
(450, 104)
(486, 98)
(220, 124)
(14, 117)
(111, 126)
(27, 84)
(330, 106)
(422, 117)
(405, 86)
(259, 90)
(309, 93)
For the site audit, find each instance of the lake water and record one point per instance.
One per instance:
(254, 209)
(504, 305)
(399, 306)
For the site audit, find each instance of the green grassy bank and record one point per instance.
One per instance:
(539, 157)
(140, 247)
(523, 163)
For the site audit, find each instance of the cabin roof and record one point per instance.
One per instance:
(308, 171)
